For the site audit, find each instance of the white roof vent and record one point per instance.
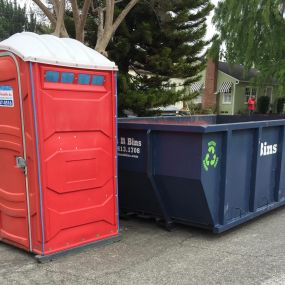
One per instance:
(56, 51)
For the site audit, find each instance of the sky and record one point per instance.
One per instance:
(211, 29)
(22, 2)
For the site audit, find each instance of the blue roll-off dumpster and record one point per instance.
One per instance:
(214, 172)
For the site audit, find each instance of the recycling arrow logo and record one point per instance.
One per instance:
(211, 159)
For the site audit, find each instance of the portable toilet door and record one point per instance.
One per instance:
(58, 171)
(15, 223)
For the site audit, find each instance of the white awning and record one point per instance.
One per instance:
(226, 87)
(196, 86)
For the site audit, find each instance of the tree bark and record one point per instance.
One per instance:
(100, 30)
(107, 26)
(57, 19)
(80, 20)
(106, 32)
(124, 13)
(60, 9)
(46, 11)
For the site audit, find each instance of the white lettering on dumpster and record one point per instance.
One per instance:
(129, 147)
(268, 149)
(6, 96)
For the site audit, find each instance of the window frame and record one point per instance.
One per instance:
(250, 94)
(227, 94)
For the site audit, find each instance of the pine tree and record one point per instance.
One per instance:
(252, 32)
(31, 23)
(14, 19)
(159, 40)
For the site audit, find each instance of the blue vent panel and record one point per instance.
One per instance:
(84, 79)
(52, 76)
(98, 80)
(67, 77)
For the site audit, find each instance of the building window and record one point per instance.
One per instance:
(250, 91)
(227, 98)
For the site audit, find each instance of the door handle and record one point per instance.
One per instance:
(21, 162)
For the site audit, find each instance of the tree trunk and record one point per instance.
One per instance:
(59, 28)
(107, 28)
(102, 44)
(80, 19)
(57, 20)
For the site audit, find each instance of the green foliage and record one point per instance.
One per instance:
(157, 41)
(90, 27)
(280, 105)
(14, 19)
(253, 34)
(263, 104)
(142, 99)
(33, 25)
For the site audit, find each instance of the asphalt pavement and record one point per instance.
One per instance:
(250, 254)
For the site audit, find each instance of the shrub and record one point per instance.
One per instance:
(280, 105)
(263, 104)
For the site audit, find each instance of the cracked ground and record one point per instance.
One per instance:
(250, 254)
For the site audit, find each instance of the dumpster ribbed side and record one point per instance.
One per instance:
(213, 176)
(280, 190)
(251, 177)
(163, 180)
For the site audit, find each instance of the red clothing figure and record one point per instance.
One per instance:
(251, 105)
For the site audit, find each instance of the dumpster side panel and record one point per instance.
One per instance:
(163, 180)
(135, 190)
(215, 176)
(281, 173)
(212, 168)
(238, 188)
(267, 172)
(176, 154)
(250, 180)
(132, 150)
(175, 159)
(77, 150)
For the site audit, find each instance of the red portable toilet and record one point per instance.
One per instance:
(58, 181)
